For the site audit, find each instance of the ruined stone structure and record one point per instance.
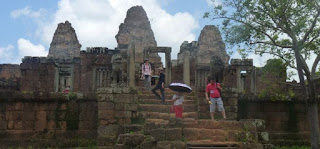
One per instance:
(65, 43)
(105, 105)
(137, 29)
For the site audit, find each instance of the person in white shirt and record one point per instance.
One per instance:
(146, 73)
(177, 103)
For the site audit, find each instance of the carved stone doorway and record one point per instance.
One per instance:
(168, 66)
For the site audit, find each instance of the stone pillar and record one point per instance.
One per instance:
(56, 79)
(131, 64)
(168, 67)
(186, 68)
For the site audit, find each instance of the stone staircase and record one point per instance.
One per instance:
(161, 130)
(151, 109)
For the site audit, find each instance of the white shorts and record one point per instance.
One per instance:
(216, 101)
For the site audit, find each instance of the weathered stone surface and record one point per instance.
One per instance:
(137, 29)
(158, 134)
(210, 43)
(174, 134)
(65, 43)
(131, 139)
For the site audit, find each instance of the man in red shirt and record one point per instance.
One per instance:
(214, 88)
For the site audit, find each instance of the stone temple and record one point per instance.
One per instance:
(106, 106)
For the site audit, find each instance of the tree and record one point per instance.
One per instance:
(288, 29)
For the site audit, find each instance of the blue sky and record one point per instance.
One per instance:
(29, 24)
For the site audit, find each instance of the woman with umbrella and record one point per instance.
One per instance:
(178, 99)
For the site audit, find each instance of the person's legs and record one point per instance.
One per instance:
(154, 91)
(221, 108)
(162, 94)
(178, 111)
(146, 82)
(149, 83)
(212, 107)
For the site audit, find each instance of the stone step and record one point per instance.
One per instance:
(157, 121)
(166, 108)
(167, 116)
(130, 128)
(208, 144)
(223, 124)
(152, 96)
(194, 134)
(167, 102)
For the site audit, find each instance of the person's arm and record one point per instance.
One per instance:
(174, 99)
(206, 93)
(219, 87)
(164, 79)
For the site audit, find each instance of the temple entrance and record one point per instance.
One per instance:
(168, 65)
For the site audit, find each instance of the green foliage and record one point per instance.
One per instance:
(138, 120)
(72, 96)
(288, 29)
(292, 147)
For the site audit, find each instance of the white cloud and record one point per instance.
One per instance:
(214, 2)
(26, 48)
(7, 54)
(97, 22)
(26, 11)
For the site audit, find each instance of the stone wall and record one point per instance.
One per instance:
(279, 115)
(51, 120)
(116, 105)
(286, 121)
(9, 77)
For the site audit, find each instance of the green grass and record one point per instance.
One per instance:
(292, 147)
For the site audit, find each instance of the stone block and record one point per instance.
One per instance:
(263, 136)
(3, 125)
(123, 114)
(2, 116)
(117, 90)
(10, 124)
(108, 131)
(18, 106)
(106, 114)
(163, 145)
(158, 134)
(62, 125)
(41, 124)
(131, 139)
(105, 106)
(14, 115)
(119, 106)
(18, 125)
(41, 115)
(130, 107)
(63, 107)
(51, 125)
(232, 115)
(173, 134)
(28, 116)
(232, 101)
(106, 97)
(28, 107)
(122, 121)
(88, 115)
(28, 125)
(126, 90)
(87, 125)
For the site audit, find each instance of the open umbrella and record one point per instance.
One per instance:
(180, 87)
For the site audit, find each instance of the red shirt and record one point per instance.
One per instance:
(213, 90)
